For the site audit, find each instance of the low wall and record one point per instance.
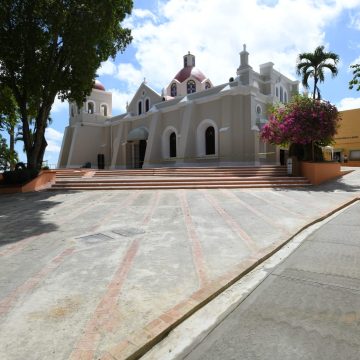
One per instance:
(43, 181)
(351, 163)
(319, 172)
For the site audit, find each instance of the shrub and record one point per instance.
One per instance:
(20, 176)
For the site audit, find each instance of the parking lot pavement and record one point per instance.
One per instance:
(105, 274)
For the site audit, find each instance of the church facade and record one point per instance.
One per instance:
(192, 123)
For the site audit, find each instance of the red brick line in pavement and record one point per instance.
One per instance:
(7, 303)
(196, 247)
(248, 240)
(103, 315)
(104, 318)
(258, 213)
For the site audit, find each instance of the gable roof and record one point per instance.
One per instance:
(142, 87)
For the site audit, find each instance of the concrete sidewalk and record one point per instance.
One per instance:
(307, 307)
(105, 275)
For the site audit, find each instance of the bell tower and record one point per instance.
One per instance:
(244, 70)
(189, 60)
(96, 108)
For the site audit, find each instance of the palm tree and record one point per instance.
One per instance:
(312, 65)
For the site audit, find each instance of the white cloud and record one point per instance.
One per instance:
(53, 138)
(54, 135)
(119, 100)
(130, 75)
(214, 31)
(349, 103)
(107, 68)
(59, 106)
(143, 14)
(355, 21)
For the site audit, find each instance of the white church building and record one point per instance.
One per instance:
(192, 123)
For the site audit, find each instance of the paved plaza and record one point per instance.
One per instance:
(100, 274)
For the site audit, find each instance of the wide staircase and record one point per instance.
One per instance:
(177, 178)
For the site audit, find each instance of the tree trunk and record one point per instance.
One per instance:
(297, 150)
(315, 85)
(35, 152)
(12, 146)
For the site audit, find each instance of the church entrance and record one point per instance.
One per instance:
(136, 148)
(135, 154)
(139, 154)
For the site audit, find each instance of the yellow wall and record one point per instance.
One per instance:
(348, 137)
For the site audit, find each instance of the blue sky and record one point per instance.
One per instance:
(215, 31)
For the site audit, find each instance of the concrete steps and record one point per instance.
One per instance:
(177, 178)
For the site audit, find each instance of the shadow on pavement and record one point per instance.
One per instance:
(21, 215)
(347, 183)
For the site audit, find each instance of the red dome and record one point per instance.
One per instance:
(188, 71)
(98, 85)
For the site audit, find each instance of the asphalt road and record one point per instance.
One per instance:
(308, 307)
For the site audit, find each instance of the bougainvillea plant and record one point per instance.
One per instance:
(303, 121)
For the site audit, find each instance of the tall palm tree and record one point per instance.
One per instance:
(312, 65)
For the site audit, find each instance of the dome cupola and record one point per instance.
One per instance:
(98, 85)
(188, 80)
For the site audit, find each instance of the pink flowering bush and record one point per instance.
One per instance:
(303, 121)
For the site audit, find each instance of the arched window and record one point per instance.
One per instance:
(210, 141)
(139, 107)
(173, 90)
(191, 86)
(168, 143)
(281, 94)
(147, 105)
(90, 107)
(103, 109)
(207, 85)
(207, 138)
(277, 92)
(172, 144)
(285, 97)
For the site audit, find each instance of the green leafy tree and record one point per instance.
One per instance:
(9, 118)
(53, 48)
(7, 157)
(356, 76)
(313, 65)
